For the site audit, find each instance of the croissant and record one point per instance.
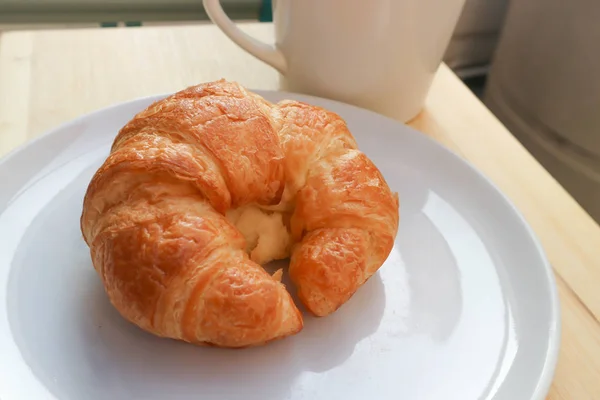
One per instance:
(204, 186)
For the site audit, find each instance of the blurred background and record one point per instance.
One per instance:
(534, 63)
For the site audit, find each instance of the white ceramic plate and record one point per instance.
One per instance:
(464, 308)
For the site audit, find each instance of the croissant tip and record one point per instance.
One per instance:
(278, 275)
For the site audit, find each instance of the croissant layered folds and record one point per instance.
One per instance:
(205, 185)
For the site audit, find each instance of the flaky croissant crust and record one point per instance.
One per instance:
(157, 216)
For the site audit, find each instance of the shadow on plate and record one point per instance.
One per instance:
(134, 361)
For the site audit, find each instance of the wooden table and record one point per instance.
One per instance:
(49, 77)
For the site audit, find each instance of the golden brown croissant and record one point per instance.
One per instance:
(203, 186)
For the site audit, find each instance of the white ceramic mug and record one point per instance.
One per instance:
(376, 54)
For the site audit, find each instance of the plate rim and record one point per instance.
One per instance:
(546, 374)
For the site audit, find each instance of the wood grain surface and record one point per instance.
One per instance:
(50, 77)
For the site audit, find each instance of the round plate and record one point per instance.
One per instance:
(465, 307)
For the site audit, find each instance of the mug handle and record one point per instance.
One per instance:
(264, 52)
